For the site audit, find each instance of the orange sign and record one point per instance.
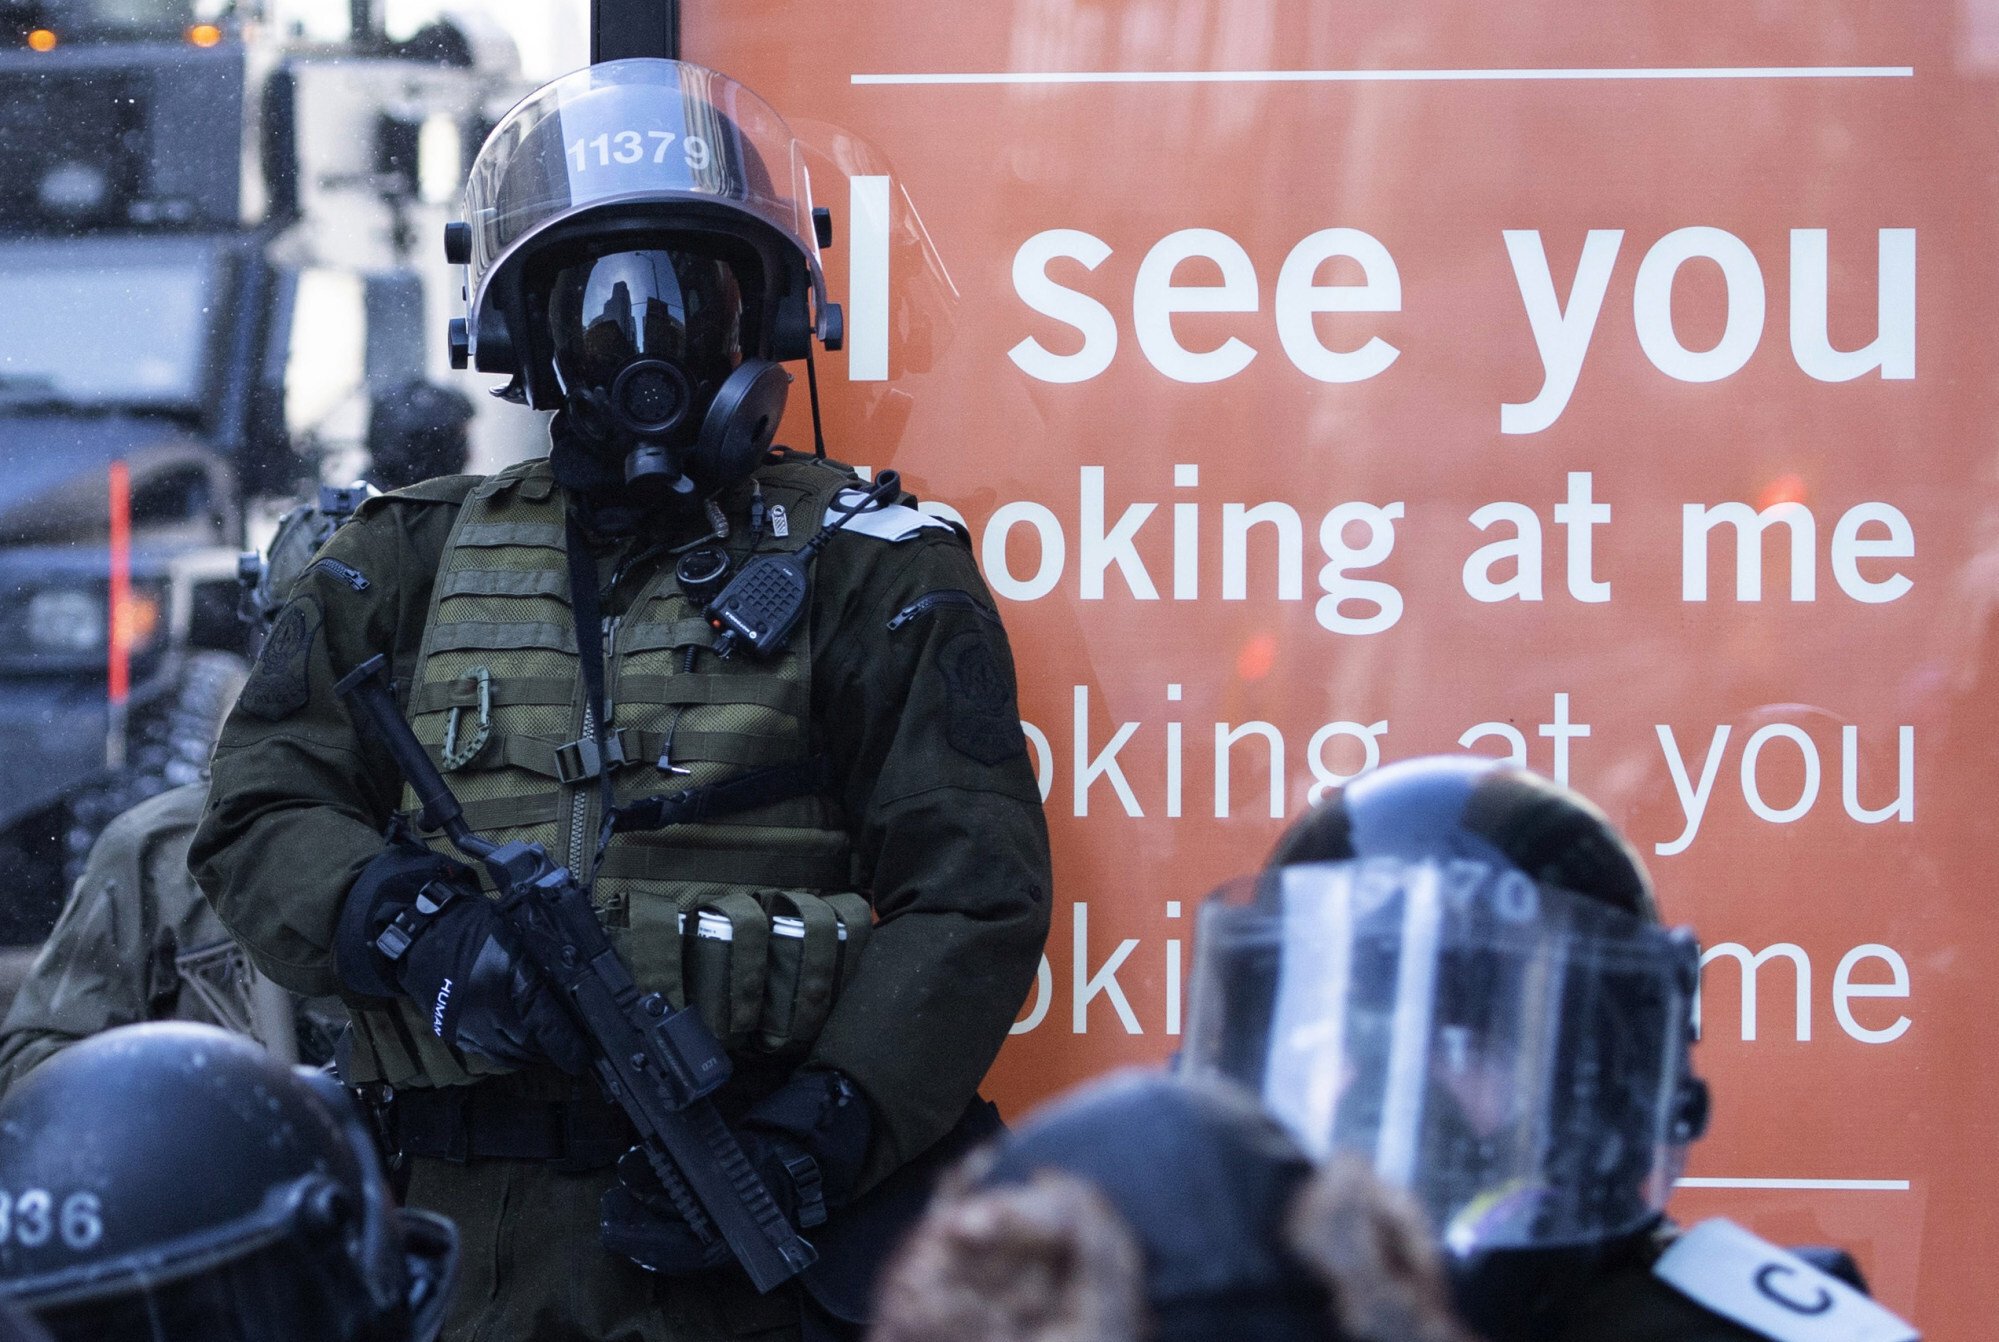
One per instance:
(1612, 389)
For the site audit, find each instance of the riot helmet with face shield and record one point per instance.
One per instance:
(1453, 970)
(175, 1182)
(642, 254)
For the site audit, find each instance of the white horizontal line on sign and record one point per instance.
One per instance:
(1835, 1185)
(1392, 76)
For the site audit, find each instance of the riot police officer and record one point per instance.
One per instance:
(1456, 971)
(136, 941)
(175, 1183)
(661, 621)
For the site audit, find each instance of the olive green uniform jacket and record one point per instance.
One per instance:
(949, 839)
(137, 942)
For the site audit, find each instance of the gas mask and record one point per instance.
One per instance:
(647, 347)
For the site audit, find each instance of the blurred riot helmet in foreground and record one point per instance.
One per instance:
(416, 431)
(641, 255)
(1454, 972)
(175, 1183)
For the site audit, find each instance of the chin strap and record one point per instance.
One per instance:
(812, 386)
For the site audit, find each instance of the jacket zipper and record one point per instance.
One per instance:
(579, 813)
(353, 577)
(579, 817)
(929, 601)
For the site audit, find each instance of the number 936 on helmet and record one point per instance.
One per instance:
(172, 1182)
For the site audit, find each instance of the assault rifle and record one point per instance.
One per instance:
(656, 1064)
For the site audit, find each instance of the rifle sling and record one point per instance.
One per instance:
(725, 796)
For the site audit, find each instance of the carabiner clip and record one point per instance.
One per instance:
(454, 757)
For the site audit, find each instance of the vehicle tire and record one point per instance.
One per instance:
(168, 743)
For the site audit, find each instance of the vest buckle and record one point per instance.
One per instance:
(580, 760)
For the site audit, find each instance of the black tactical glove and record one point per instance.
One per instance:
(454, 957)
(808, 1140)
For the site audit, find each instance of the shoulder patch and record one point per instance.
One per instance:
(889, 522)
(984, 724)
(279, 683)
(1771, 1291)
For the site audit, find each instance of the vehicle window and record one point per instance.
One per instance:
(98, 323)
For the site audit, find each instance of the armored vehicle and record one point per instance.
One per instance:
(206, 225)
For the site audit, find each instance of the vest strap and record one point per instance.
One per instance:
(580, 760)
(737, 748)
(499, 813)
(532, 479)
(505, 582)
(727, 866)
(520, 691)
(497, 535)
(692, 632)
(512, 812)
(786, 696)
(495, 636)
(726, 796)
(587, 756)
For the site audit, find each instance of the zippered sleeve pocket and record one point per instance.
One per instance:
(929, 601)
(353, 577)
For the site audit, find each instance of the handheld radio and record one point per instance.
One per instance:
(761, 606)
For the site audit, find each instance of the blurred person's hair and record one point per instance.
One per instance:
(1368, 1244)
(1045, 1261)
(1051, 1260)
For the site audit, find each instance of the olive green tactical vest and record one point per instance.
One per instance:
(498, 698)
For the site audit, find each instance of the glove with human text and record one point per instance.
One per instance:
(416, 924)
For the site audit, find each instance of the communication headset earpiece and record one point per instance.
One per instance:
(741, 422)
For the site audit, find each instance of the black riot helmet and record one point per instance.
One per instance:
(176, 1183)
(642, 254)
(1462, 807)
(1454, 971)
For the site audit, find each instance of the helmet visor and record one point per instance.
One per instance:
(680, 306)
(1511, 1054)
(302, 1290)
(635, 131)
(271, 1293)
